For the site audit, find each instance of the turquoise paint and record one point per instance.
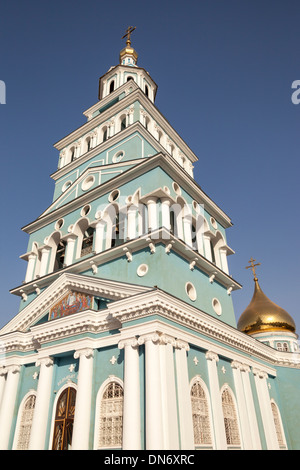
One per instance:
(199, 368)
(26, 383)
(167, 272)
(103, 369)
(288, 386)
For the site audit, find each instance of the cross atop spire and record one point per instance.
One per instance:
(128, 33)
(252, 266)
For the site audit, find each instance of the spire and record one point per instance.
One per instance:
(128, 56)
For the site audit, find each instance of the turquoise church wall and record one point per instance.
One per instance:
(288, 386)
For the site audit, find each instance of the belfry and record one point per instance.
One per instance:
(126, 337)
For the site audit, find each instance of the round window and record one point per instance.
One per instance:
(213, 222)
(66, 186)
(142, 270)
(85, 210)
(88, 182)
(114, 195)
(191, 291)
(176, 188)
(217, 306)
(59, 224)
(117, 157)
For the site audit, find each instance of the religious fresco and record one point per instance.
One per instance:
(73, 302)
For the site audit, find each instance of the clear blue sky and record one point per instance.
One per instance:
(224, 70)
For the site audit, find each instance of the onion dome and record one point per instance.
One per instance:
(263, 315)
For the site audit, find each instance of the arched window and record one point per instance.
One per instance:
(87, 242)
(26, 423)
(123, 124)
(282, 347)
(64, 418)
(212, 249)
(72, 154)
(87, 145)
(104, 134)
(201, 419)
(230, 419)
(146, 90)
(111, 416)
(111, 86)
(278, 426)
(129, 78)
(116, 236)
(60, 255)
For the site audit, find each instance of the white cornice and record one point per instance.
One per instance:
(161, 235)
(201, 330)
(58, 288)
(166, 162)
(136, 95)
(104, 146)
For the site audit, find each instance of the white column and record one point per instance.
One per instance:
(165, 212)
(250, 407)
(184, 397)
(130, 115)
(99, 236)
(207, 248)
(41, 410)
(131, 407)
(169, 398)
(131, 222)
(152, 213)
(81, 429)
(44, 260)
(3, 374)
(77, 149)
(216, 401)
(265, 409)
(154, 426)
(8, 404)
(224, 262)
(242, 407)
(70, 249)
(187, 229)
(30, 267)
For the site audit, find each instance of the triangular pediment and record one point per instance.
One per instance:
(70, 294)
(88, 180)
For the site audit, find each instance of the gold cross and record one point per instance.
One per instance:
(128, 33)
(253, 266)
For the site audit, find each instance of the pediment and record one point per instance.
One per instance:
(67, 295)
(88, 180)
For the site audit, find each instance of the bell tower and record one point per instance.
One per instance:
(127, 70)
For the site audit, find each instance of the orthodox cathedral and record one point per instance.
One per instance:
(126, 337)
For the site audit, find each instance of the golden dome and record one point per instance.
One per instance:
(263, 315)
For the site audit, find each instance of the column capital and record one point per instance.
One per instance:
(14, 369)
(87, 352)
(47, 361)
(260, 373)
(3, 371)
(236, 365)
(212, 356)
(182, 345)
(167, 339)
(133, 342)
(154, 337)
